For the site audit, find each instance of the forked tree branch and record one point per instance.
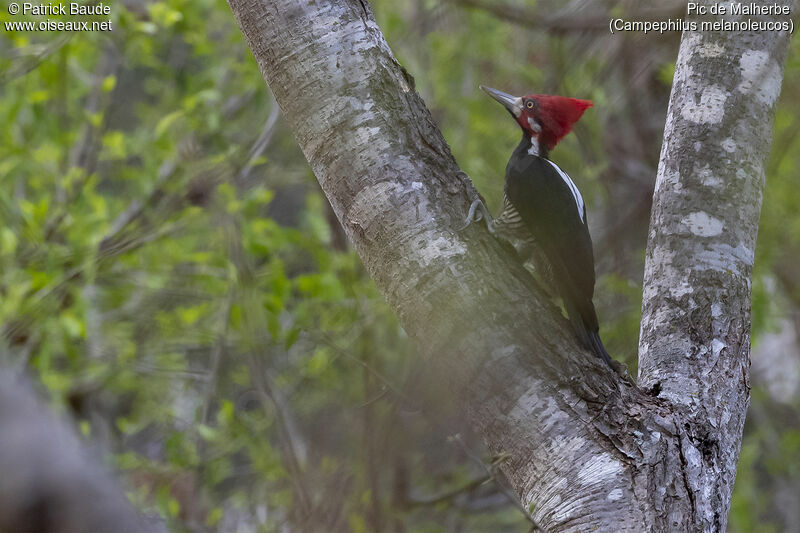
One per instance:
(588, 451)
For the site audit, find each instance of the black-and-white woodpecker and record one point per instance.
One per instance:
(543, 211)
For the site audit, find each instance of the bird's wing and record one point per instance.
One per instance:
(551, 207)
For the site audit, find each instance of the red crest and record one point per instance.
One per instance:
(557, 115)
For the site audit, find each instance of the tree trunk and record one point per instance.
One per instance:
(695, 335)
(588, 450)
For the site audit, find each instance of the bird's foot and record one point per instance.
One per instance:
(477, 212)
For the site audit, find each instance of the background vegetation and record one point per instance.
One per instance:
(172, 275)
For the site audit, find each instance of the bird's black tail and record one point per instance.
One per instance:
(598, 348)
(586, 328)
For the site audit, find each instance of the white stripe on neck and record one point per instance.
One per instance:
(536, 129)
(534, 149)
(573, 188)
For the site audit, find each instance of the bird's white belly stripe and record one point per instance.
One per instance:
(575, 192)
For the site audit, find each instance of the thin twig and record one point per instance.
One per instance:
(491, 471)
(216, 357)
(136, 207)
(263, 140)
(269, 395)
(566, 20)
(447, 496)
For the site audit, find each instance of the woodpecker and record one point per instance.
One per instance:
(543, 211)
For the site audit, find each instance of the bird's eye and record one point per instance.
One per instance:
(529, 104)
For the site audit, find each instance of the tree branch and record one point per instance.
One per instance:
(568, 20)
(695, 338)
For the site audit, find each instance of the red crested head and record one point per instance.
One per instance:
(545, 118)
(555, 114)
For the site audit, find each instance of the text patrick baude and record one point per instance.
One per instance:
(74, 8)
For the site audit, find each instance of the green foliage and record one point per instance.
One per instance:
(241, 369)
(196, 316)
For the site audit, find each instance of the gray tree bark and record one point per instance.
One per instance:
(588, 451)
(695, 333)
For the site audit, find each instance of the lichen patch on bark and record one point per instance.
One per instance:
(599, 469)
(709, 108)
(729, 145)
(702, 224)
(708, 176)
(760, 75)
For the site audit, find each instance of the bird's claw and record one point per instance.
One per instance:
(477, 212)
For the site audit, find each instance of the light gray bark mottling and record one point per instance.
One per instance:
(695, 336)
(589, 452)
